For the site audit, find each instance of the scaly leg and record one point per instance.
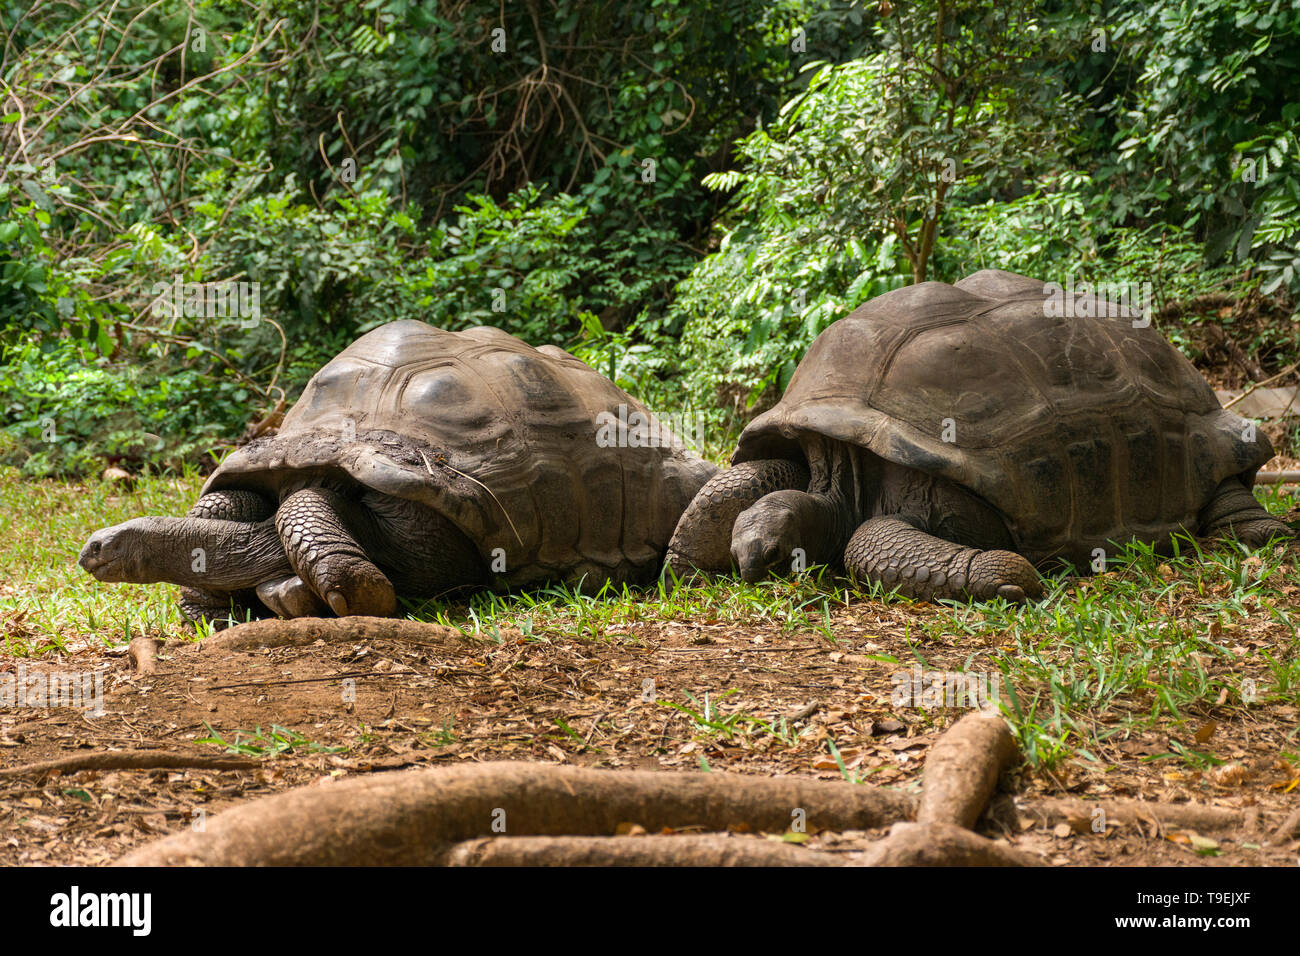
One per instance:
(223, 608)
(1235, 511)
(894, 551)
(702, 540)
(313, 527)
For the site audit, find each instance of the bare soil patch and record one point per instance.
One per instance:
(369, 704)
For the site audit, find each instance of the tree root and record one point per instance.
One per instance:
(143, 654)
(565, 815)
(941, 844)
(304, 631)
(415, 817)
(962, 769)
(1277, 477)
(693, 850)
(1080, 814)
(961, 774)
(131, 760)
(1290, 828)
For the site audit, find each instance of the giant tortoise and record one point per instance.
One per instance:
(947, 439)
(418, 461)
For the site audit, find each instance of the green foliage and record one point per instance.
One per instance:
(360, 165)
(522, 265)
(66, 413)
(835, 204)
(1203, 139)
(846, 191)
(436, 104)
(953, 106)
(751, 309)
(683, 193)
(1270, 235)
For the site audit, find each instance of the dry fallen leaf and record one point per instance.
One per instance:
(1229, 775)
(1191, 838)
(1078, 823)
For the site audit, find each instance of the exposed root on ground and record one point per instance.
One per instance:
(683, 850)
(526, 814)
(143, 654)
(131, 760)
(302, 631)
(960, 776)
(962, 768)
(416, 817)
(941, 844)
(1081, 814)
(1290, 828)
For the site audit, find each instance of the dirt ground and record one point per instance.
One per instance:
(564, 700)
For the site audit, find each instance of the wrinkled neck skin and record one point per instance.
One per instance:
(853, 484)
(207, 553)
(846, 479)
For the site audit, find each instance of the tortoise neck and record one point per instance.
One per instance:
(847, 479)
(215, 555)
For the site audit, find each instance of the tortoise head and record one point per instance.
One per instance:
(120, 553)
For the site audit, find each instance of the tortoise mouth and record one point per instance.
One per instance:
(92, 560)
(106, 559)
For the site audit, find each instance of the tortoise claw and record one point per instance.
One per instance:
(1012, 594)
(290, 597)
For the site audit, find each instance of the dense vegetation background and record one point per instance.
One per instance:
(683, 192)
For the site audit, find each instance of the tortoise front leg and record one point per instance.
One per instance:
(219, 608)
(1235, 511)
(702, 539)
(223, 608)
(894, 551)
(313, 527)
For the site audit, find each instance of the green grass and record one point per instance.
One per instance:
(1152, 638)
(1155, 639)
(46, 601)
(710, 721)
(804, 603)
(444, 737)
(257, 743)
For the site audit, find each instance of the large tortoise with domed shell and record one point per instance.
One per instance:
(415, 462)
(946, 440)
